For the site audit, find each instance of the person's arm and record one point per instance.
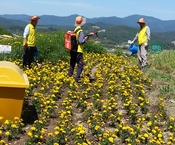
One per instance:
(25, 35)
(148, 33)
(82, 39)
(135, 38)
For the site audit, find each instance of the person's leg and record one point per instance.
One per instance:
(79, 66)
(139, 56)
(73, 56)
(144, 55)
(31, 55)
(35, 56)
(25, 56)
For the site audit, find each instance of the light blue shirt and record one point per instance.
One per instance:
(81, 38)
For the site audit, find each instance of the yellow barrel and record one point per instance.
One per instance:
(13, 83)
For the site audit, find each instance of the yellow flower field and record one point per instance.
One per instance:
(114, 109)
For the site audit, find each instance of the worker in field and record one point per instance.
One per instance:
(143, 38)
(29, 41)
(76, 57)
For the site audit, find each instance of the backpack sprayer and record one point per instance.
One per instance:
(95, 33)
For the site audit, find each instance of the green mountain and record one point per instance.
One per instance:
(115, 36)
(118, 30)
(156, 25)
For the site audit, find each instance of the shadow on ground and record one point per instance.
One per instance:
(29, 113)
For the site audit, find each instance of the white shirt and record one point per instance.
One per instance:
(26, 31)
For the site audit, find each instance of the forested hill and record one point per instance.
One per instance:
(118, 30)
(155, 24)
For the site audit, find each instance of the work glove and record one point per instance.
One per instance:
(130, 42)
(91, 34)
(146, 44)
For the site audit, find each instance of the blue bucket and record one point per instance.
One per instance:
(133, 49)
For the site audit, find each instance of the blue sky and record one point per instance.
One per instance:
(162, 9)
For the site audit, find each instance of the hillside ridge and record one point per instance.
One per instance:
(156, 25)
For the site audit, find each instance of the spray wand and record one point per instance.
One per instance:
(95, 33)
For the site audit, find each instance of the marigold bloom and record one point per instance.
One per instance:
(111, 139)
(7, 133)
(30, 134)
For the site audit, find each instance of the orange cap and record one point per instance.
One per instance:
(141, 20)
(33, 18)
(80, 21)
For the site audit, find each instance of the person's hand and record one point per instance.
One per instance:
(146, 44)
(86, 37)
(130, 42)
(92, 33)
(25, 45)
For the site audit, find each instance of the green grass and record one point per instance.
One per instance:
(161, 72)
(164, 60)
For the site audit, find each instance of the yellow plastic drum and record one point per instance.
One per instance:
(13, 83)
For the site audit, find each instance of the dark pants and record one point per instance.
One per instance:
(76, 58)
(28, 56)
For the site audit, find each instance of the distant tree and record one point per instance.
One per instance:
(3, 31)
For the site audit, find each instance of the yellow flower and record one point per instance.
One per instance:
(116, 130)
(62, 130)
(143, 119)
(143, 91)
(14, 126)
(132, 111)
(104, 111)
(7, 133)
(169, 143)
(2, 142)
(73, 129)
(154, 131)
(105, 135)
(137, 140)
(30, 134)
(159, 135)
(16, 118)
(33, 128)
(42, 131)
(111, 139)
(149, 123)
(146, 135)
(50, 134)
(7, 122)
(56, 132)
(171, 118)
(120, 113)
(171, 134)
(41, 137)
